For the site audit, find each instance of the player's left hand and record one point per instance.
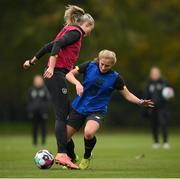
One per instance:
(147, 103)
(49, 72)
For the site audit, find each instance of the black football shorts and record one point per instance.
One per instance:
(77, 120)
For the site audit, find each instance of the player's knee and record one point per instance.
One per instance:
(88, 135)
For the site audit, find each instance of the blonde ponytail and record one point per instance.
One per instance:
(73, 14)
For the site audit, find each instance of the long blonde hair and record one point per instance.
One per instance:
(75, 15)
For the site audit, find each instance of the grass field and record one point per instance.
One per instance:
(114, 156)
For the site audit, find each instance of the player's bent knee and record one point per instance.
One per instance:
(88, 135)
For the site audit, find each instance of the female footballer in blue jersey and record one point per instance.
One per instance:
(93, 95)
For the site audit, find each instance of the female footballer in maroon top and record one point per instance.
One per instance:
(64, 52)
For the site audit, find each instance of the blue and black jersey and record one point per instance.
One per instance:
(98, 88)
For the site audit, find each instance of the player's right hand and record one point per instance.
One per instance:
(26, 64)
(79, 89)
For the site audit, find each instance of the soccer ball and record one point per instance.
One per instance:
(44, 159)
(168, 93)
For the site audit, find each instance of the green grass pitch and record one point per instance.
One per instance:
(114, 156)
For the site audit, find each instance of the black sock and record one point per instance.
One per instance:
(89, 145)
(70, 150)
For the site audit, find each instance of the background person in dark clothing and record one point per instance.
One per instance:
(38, 106)
(159, 115)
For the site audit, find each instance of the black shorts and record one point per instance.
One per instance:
(77, 120)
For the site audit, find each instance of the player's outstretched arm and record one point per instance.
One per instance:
(44, 50)
(133, 99)
(72, 79)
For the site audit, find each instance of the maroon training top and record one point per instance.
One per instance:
(67, 56)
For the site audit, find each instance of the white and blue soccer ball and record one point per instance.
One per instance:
(44, 159)
(167, 93)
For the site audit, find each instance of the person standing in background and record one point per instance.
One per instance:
(159, 115)
(38, 108)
